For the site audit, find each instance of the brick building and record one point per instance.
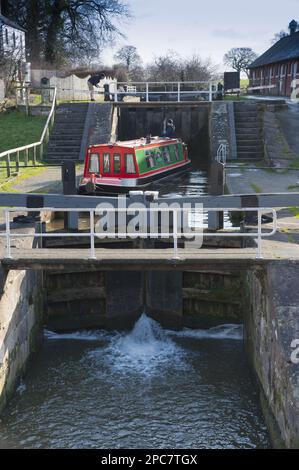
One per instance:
(278, 68)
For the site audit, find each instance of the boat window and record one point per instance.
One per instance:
(94, 163)
(106, 163)
(166, 154)
(150, 161)
(116, 163)
(129, 163)
(176, 152)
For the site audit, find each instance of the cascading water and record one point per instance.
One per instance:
(149, 388)
(145, 350)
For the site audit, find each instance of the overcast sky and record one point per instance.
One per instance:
(209, 28)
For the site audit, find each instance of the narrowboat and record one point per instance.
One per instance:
(123, 166)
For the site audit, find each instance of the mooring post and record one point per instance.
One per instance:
(68, 174)
(217, 182)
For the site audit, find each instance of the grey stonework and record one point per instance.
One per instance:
(21, 312)
(271, 324)
(221, 120)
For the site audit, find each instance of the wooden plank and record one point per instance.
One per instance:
(278, 200)
(114, 259)
(207, 295)
(76, 293)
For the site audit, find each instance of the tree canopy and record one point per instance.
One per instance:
(239, 58)
(128, 56)
(60, 31)
(172, 67)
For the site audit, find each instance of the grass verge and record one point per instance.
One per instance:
(8, 185)
(256, 188)
(17, 130)
(295, 211)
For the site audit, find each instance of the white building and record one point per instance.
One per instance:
(12, 43)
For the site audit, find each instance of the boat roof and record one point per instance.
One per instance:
(140, 143)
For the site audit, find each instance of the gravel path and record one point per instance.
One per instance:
(245, 181)
(48, 181)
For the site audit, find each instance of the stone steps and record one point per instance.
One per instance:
(67, 133)
(243, 155)
(249, 127)
(63, 155)
(256, 147)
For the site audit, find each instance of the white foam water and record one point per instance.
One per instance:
(93, 335)
(227, 331)
(145, 350)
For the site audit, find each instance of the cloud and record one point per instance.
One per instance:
(228, 33)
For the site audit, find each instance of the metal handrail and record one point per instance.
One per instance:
(179, 92)
(174, 232)
(221, 156)
(35, 145)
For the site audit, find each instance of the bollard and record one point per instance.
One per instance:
(68, 175)
(217, 183)
(107, 92)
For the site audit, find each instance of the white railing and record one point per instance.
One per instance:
(175, 91)
(174, 228)
(148, 91)
(262, 87)
(35, 146)
(221, 156)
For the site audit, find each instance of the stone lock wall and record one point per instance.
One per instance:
(271, 324)
(21, 314)
(2, 90)
(222, 129)
(191, 122)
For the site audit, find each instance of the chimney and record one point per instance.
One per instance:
(293, 27)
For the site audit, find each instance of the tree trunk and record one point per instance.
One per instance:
(33, 36)
(54, 27)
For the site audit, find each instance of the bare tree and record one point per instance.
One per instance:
(128, 56)
(165, 68)
(279, 36)
(239, 59)
(197, 69)
(171, 67)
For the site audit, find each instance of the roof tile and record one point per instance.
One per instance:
(285, 49)
(10, 23)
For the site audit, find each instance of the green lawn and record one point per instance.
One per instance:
(244, 82)
(17, 129)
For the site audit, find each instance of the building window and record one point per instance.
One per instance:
(294, 69)
(6, 36)
(129, 163)
(14, 39)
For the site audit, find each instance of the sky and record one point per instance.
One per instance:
(206, 28)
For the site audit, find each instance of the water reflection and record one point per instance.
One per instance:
(191, 183)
